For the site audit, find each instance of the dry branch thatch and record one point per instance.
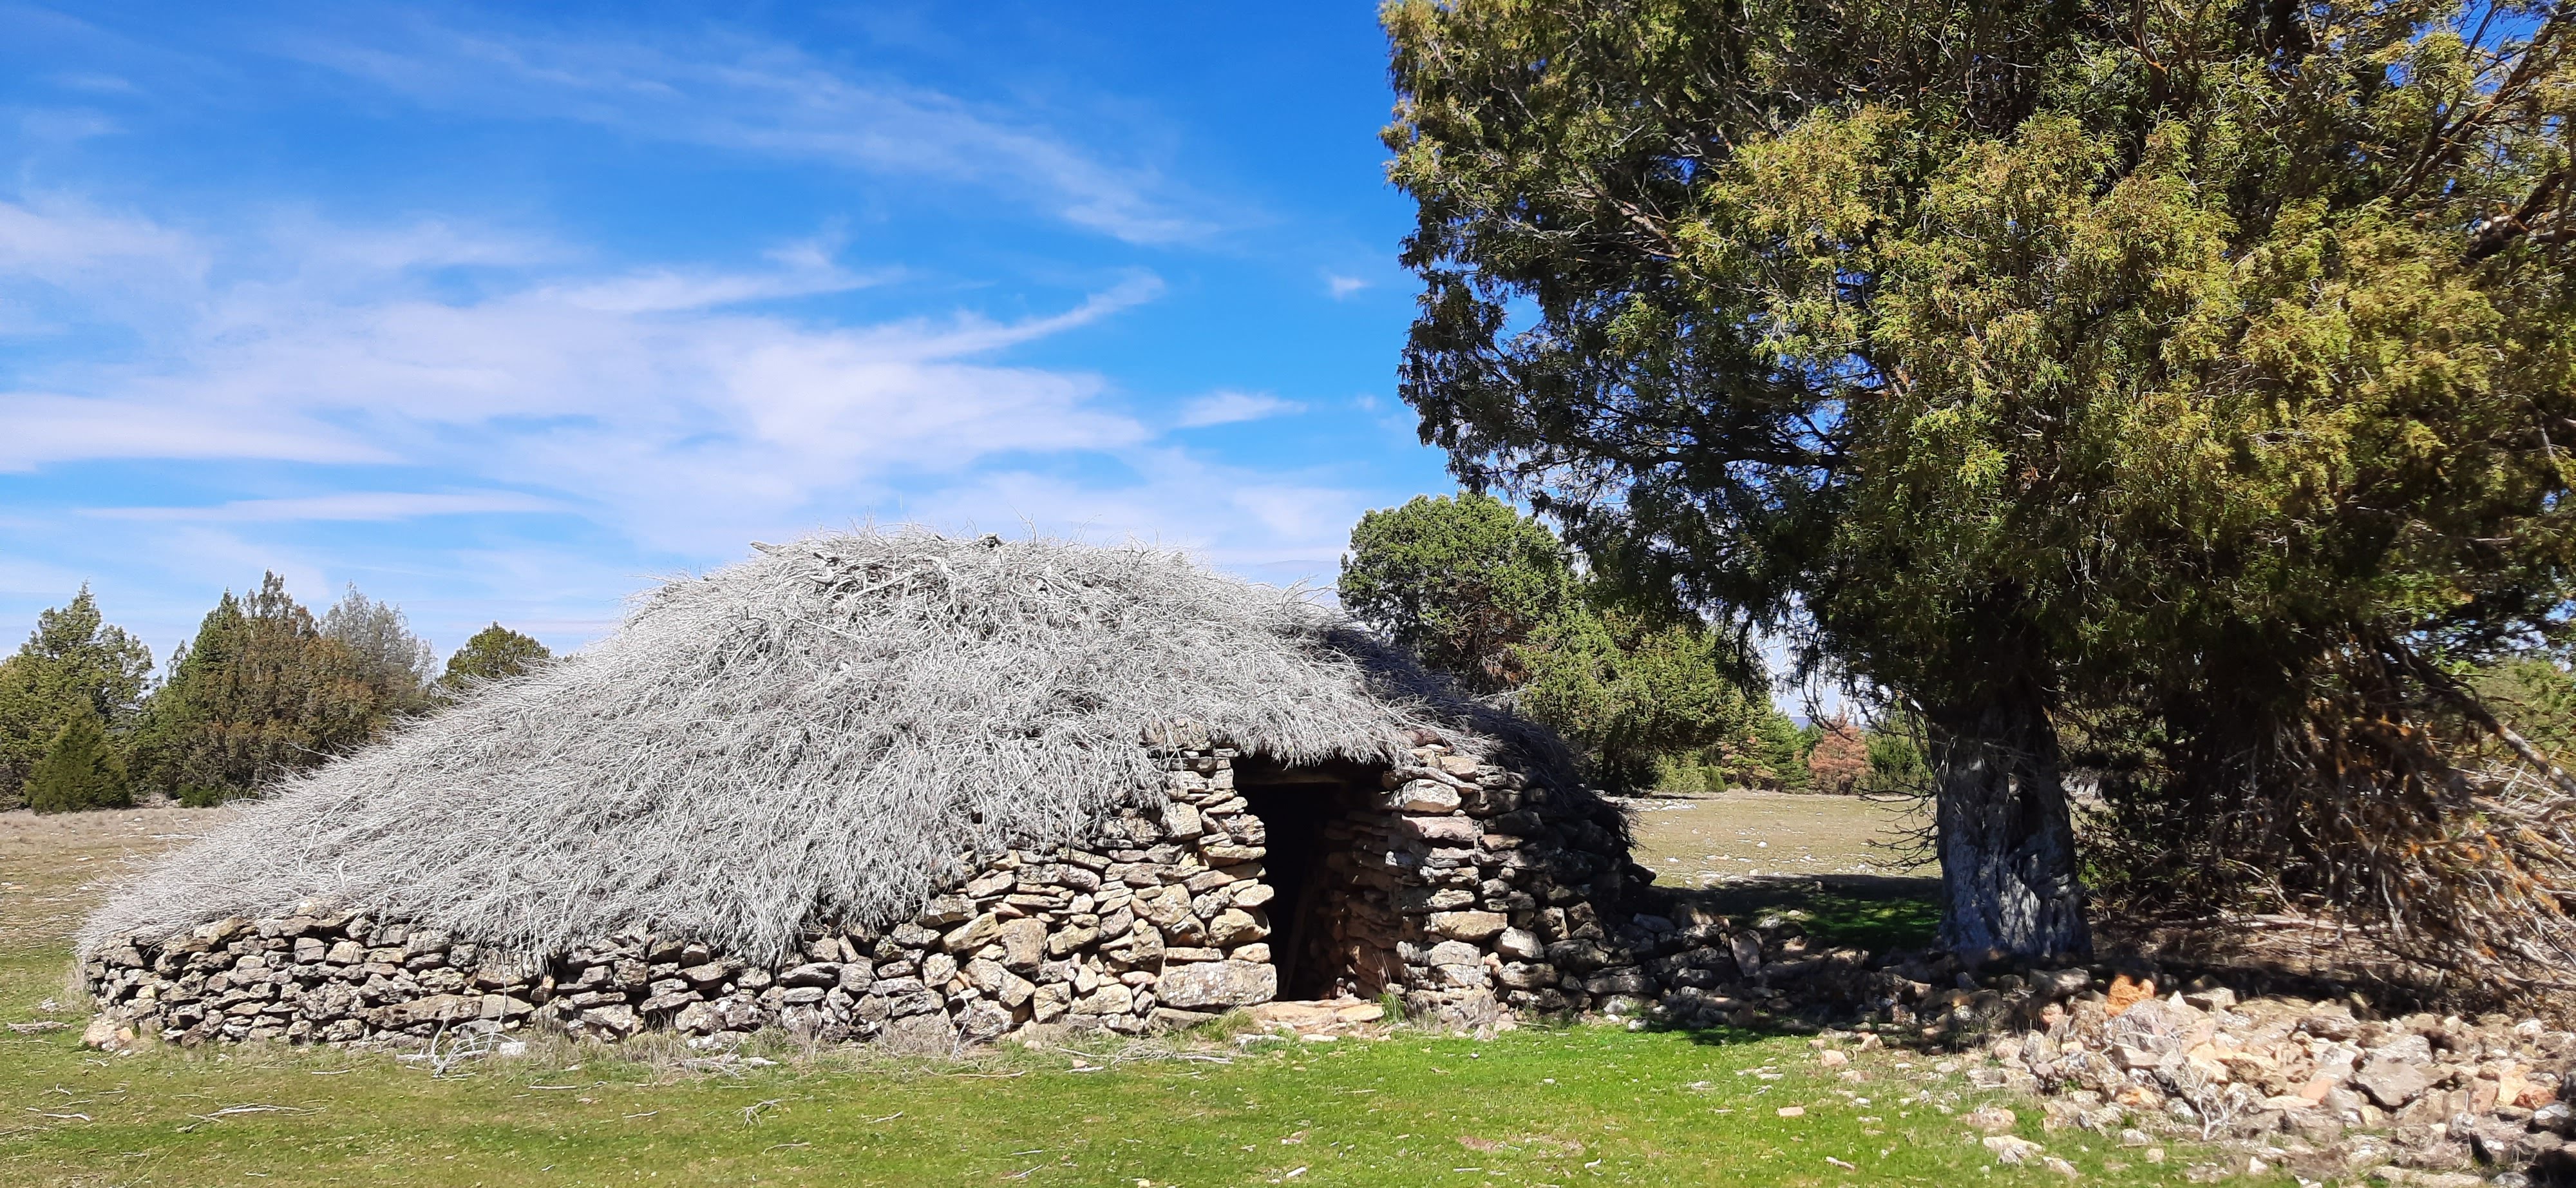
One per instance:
(818, 732)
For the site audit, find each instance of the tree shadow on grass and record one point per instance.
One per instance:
(1880, 913)
(1836, 915)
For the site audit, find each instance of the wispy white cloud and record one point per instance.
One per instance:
(1283, 527)
(343, 506)
(663, 409)
(1229, 407)
(65, 125)
(660, 399)
(1343, 286)
(61, 241)
(96, 83)
(741, 95)
(51, 427)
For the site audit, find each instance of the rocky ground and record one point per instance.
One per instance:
(2319, 1088)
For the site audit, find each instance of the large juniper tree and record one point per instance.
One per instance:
(2021, 356)
(80, 768)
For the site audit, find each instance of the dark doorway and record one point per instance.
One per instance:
(1299, 809)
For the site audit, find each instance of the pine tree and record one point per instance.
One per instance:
(80, 769)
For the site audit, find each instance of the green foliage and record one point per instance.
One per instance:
(1896, 763)
(80, 768)
(74, 662)
(2027, 361)
(2537, 698)
(265, 689)
(1782, 747)
(369, 652)
(1629, 695)
(2002, 385)
(1460, 582)
(1493, 599)
(491, 654)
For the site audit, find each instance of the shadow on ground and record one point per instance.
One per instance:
(1880, 913)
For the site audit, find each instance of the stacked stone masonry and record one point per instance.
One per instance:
(1458, 884)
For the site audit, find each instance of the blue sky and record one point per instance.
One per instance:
(505, 312)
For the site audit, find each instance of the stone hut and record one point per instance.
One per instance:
(901, 786)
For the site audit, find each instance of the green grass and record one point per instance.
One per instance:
(1581, 1105)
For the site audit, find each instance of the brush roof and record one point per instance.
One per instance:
(819, 732)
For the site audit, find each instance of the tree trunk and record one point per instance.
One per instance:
(2006, 839)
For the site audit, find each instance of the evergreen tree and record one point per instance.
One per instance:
(265, 689)
(378, 666)
(80, 768)
(177, 748)
(2025, 360)
(380, 651)
(74, 659)
(1461, 582)
(1630, 696)
(491, 654)
(1493, 599)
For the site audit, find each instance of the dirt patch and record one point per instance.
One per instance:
(55, 868)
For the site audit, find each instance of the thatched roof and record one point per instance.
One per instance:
(818, 732)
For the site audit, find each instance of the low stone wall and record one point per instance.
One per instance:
(1460, 885)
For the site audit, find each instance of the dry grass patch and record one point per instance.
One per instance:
(1699, 840)
(55, 867)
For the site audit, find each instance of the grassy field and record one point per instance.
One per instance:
(1574, 1106)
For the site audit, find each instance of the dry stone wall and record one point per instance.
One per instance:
(1459, 884)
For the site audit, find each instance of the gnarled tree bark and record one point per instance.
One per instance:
(2005, 836)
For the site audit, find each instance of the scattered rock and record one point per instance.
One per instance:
(2391, 1081)
(1993, 1119)
(2012, 1151)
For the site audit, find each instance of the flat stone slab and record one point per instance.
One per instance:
(1218, 984)
(1318, 1015)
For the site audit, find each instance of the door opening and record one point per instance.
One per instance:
(1298, 808)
